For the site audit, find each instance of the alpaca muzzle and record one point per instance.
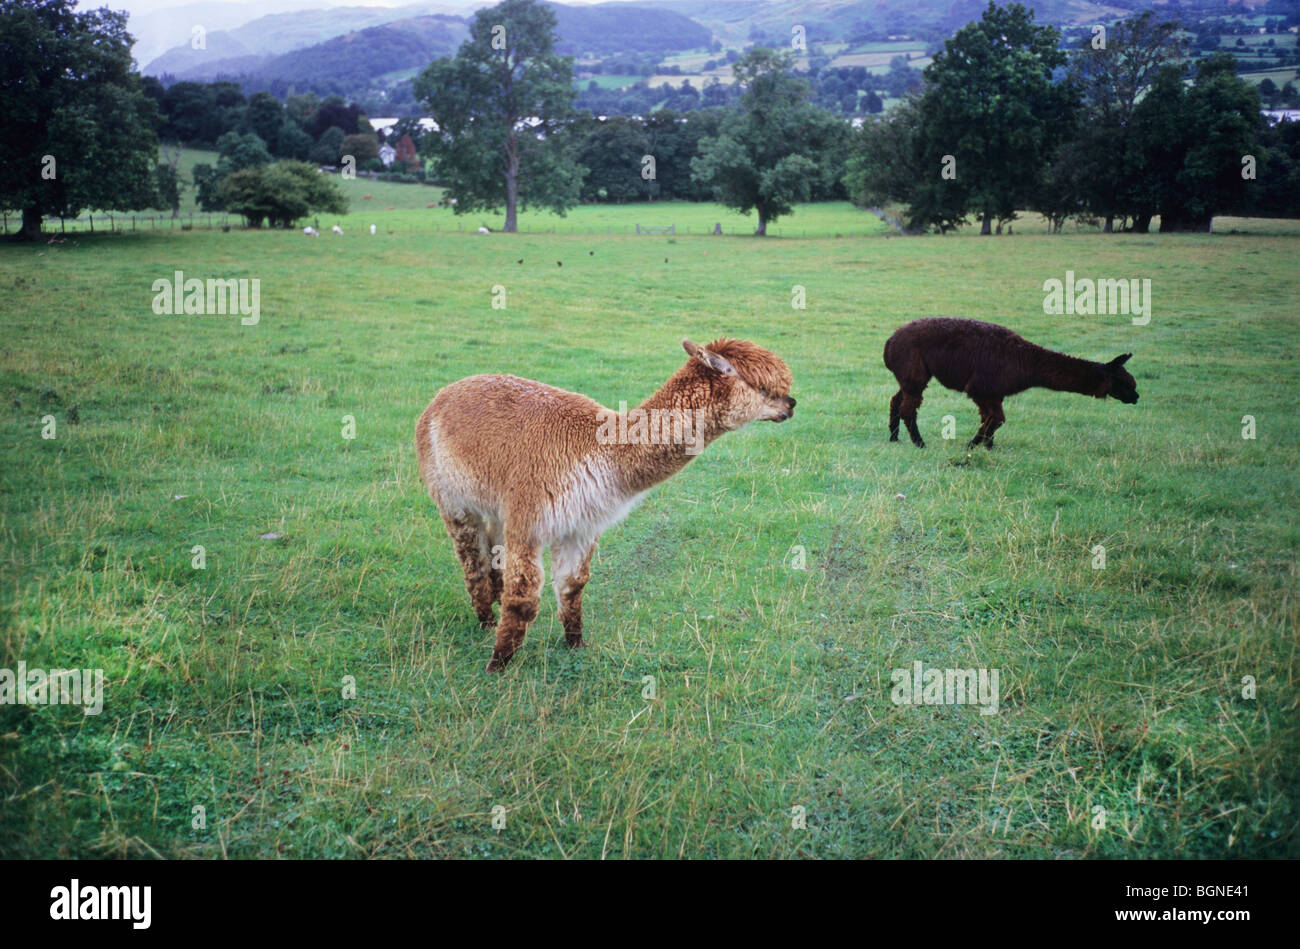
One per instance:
(787, 412)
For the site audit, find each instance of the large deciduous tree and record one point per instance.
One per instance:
(501, 105)
(991, 104)
(280, 194)
(766, 155)
(1192, 142)
(78, 129)
(1113, 72)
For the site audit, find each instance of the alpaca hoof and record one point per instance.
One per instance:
(918, 443)
(574, 641)
(498, 663)
(893, 436)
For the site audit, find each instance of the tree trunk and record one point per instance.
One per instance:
(1142, 223)
(512, 187)
(31, 224)
(1110, 225)
(1185, 225)
(761, 230)
(986, 228)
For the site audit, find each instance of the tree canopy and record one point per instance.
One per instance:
(79, 130)
(501, 106)
(767, 153)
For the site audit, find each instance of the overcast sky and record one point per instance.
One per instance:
(148, 6)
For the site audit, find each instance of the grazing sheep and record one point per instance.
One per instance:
(337, 230)
(988, 362)
(310, 231)
(483, 230)
(516, 466)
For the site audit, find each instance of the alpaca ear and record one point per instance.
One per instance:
(712, 360)
(1120, 360)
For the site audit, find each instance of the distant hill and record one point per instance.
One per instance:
(156, 31)
(347, 49)
(271, 48)
(832, 21)
(272, 35)
(608, 28)
(368, 54)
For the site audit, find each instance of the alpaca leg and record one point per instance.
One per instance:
(497, 548)
(991, 418)
(907, 407)
(470, 539)
(521, 588)
(996, 418)
(893, 415)
(984, 424)
(572, 565)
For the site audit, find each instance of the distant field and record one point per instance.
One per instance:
(607, 82)
(699, 81)
(1280, 77)
(771, 591)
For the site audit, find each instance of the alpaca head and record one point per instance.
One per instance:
(1118, 383)
(746, 383)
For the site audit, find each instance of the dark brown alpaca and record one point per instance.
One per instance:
(988, 362)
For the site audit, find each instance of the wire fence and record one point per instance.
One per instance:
(123, 223)
(106, 223)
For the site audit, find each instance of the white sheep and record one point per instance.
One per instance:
(337, 230)
(310, 231)
(483, 230)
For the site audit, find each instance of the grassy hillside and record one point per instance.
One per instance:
(1121, 687)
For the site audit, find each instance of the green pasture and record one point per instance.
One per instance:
(317, 689)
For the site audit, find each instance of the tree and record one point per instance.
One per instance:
(764, 157)
(78, 129)
(405, 153)
(235, 152)
(991, 106)
(501, 105)
(292, 142)
(264, 116)
(167, 185)
(361, 147)
(206, 180)
(280, 194)
(330, 146)
(612, 150)
(1189, 142)
(888, 165)
(1112, 79)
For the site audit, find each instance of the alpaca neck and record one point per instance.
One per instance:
(660, 436)
(1053, 370)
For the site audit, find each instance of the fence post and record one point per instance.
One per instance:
(92, 224)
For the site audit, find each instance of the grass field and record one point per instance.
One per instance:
(1122, 731)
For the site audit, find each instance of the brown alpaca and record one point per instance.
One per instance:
(988, 362)
(515, 466)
